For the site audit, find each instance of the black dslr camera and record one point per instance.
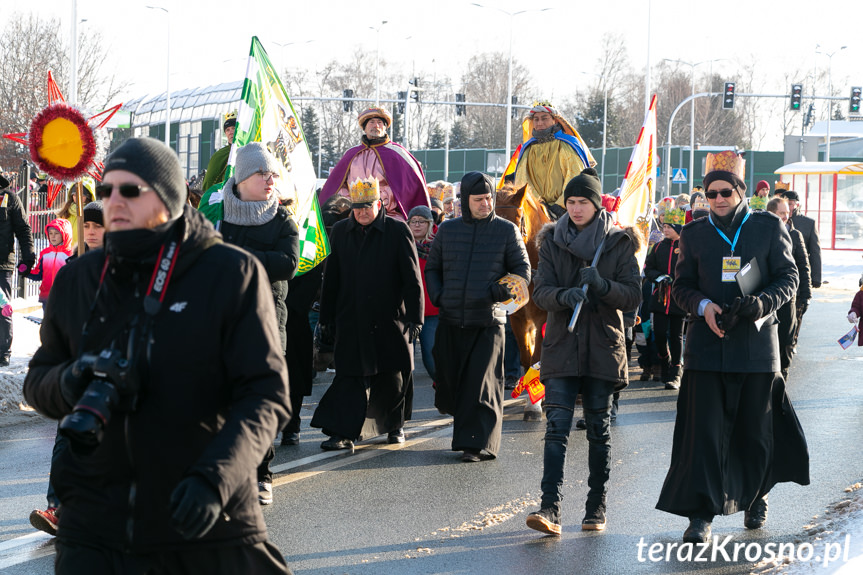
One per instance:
(113, 381)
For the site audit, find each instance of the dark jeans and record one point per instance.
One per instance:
(668, 330)
(61, 443)
(560, 394)
(426, 342)
(6, 322)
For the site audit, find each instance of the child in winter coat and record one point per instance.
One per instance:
(52, 258)
(856, 311)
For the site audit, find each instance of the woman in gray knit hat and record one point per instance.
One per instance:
(256, 222)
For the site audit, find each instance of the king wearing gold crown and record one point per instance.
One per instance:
(401, 179)
(735, 271)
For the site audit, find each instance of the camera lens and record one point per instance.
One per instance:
(92, 413)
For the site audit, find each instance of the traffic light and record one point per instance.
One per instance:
(854, 107)
(728, 98)
(796, 96)
(415, 94)
(347, 105)
(402, 97)
(460, 110)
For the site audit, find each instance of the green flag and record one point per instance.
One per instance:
(266, 115)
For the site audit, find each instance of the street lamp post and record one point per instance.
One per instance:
(829, 93)
(512, 16)
(167, 74)
(692, 66)
(377, 30)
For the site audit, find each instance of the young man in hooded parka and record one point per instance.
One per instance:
(591, 359)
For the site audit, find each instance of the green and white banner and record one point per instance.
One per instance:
(266, 115)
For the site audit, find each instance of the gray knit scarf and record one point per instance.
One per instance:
(244, 213)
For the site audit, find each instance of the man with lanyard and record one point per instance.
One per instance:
(553, 155)
(736, 434)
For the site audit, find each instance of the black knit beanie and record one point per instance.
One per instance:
(155, 163)
(729, 177)
(93, 213)
(585, 185)
(476, 184)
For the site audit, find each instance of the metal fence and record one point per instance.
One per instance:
(38, 214)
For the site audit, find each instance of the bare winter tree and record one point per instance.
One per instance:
(29, 48)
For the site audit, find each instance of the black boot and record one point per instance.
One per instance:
(756, 515)
(674, 374)
(698, 531)
(594, 515)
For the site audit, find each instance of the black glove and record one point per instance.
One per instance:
(748, 307)
(663, 279)
(727, 319)
(24, 269)
(499, 292)
(328, 338)
(74, 381)
(195, 507)
(570, 297)
(413, 331)
(591, 277)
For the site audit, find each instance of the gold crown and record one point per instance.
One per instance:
(676, 217)
(726, 161)
(365, 191)
(780, 186)
(440, 190)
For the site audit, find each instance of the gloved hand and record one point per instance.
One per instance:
(570, 297)
(413, 331)
(7, 310)
(499, 292)
(24, 268)
(74, 381)
(852, 317)
(195, 507)
(328, 338)
(663, 279)
(591, 277)
(728, 318)
(748, 307)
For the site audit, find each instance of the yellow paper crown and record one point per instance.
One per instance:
(780, 186)
(440, 190)
(675, 217)
(365, 191)
(726, 161)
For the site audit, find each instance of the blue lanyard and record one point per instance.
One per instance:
(724, 237)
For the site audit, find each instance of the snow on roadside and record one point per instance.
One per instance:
(25, 342)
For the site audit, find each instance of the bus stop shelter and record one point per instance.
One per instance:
(832, 194)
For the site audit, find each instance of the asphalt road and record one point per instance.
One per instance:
(417, 509)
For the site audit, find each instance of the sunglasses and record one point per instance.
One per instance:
(726, 193)
(103, 191)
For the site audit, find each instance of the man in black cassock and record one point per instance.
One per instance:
(468, 256)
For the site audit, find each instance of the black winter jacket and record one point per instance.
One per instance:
(597, 347)
(13, 225)
(276, 245)
(662, 260)
(806, 226)
(466, 257)
(744, 349)
(213, 396)
(801, 260)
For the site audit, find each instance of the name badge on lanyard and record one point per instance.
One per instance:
(730, 267)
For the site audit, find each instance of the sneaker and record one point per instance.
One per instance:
(594, 517)
(265, 492)
(470, 456)
(397, 436)
(510, 382)
(546, 520)
(580, 423)
(337, 443)
(4, 361)
(756, 516)
(45, 520)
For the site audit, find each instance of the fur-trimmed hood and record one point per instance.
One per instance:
(556, 231)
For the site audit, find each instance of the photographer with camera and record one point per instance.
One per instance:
(164, 439)
(736, 434)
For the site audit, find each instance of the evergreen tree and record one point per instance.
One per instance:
(309, 122)
(437, 138)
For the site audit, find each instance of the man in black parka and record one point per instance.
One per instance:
(736, 433)
(372, 304)
(467, 258)
(171, 486)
